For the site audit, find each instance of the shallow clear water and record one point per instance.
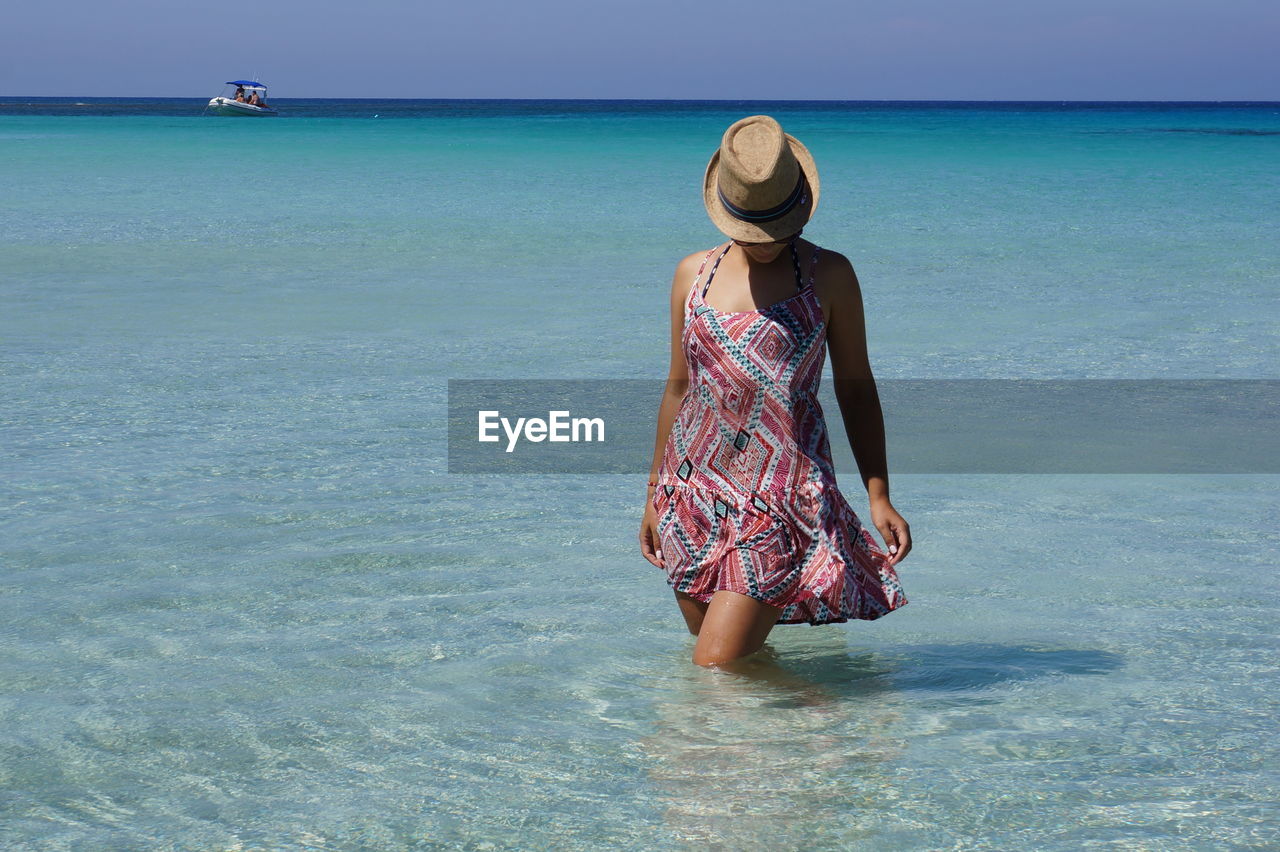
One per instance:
(242, 604)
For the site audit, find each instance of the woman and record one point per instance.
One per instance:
(743, 514)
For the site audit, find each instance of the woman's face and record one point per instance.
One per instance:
(763, 252)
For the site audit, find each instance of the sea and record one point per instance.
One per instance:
(246, 604)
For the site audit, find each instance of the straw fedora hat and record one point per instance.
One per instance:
(762, 184)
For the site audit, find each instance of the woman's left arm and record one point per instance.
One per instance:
(855, 389)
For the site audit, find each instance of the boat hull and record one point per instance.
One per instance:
(226, 106)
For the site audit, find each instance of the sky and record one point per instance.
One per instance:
(696, 49)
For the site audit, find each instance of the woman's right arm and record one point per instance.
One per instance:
(672, 395)
(678, 373)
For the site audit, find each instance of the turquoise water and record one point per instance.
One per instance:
(244, 606)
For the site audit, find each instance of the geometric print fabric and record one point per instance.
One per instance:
(747, 497)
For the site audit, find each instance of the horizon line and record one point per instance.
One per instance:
(709, 100)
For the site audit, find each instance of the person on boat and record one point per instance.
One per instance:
(240, 94)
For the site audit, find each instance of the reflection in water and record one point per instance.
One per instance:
(794, 747)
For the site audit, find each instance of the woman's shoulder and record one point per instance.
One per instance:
(694, 259)
(833, 275)
(825, 256)
(686, 270)
(688, 266)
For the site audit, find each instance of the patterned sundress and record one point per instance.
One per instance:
(746, 497)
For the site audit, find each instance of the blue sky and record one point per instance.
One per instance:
(819, 49)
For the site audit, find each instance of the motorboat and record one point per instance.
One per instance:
(226, 103)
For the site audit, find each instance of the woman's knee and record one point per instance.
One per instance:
(707, 657)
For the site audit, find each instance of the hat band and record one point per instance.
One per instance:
(769, 215)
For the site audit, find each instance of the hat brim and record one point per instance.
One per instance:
(759, 232)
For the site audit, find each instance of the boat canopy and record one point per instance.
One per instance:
(248, 84)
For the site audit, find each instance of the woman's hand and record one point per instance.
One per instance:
(649, 545)
(893, 529)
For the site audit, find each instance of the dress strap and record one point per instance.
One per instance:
(813, 265)
(693, 288)
(703, 265)
(714, 267)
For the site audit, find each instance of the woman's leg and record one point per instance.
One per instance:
(693, 611)
(732, 627)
